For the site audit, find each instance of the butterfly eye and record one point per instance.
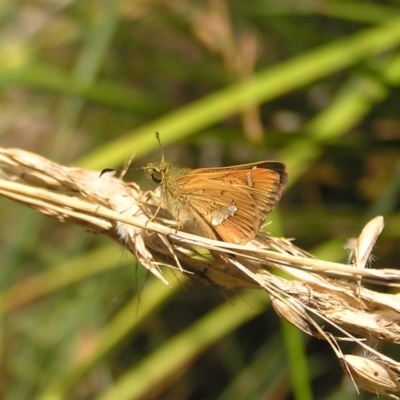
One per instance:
(157, 175)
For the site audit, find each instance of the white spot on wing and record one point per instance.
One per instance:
(219, 216)
(249, 181)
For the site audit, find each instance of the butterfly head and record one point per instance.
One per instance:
(156, 172)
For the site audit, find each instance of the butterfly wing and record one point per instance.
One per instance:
(264, 180)
(223, 212)
(230, 202)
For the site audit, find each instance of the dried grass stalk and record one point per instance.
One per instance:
(108, 205)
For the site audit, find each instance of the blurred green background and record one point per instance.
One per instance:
(314, 84)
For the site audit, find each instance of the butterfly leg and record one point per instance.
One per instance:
(151, 219)
(179, 224)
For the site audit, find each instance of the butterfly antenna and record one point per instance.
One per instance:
(161, 148)
(124, 169)
(105, 170)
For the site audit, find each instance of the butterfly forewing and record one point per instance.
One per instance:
(230, 213)
(232, 202)
(264, 178)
